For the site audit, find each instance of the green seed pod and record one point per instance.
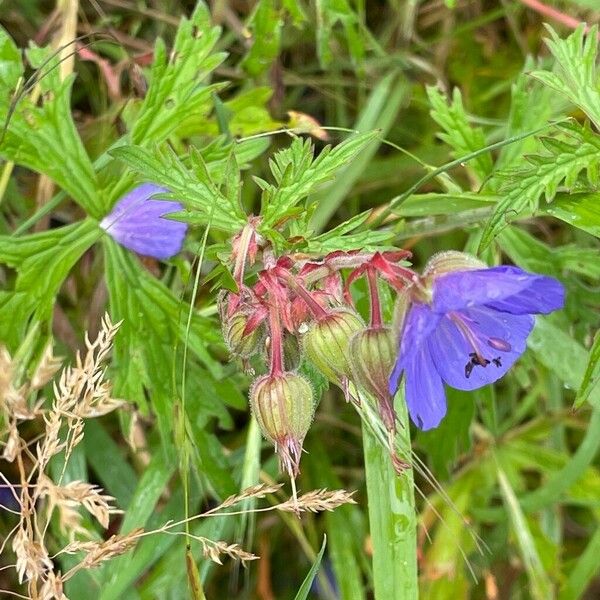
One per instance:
(240, 344)
(284, 407)
(373, 354)
(327, 341)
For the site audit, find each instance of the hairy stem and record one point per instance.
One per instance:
(374, 299)
(315, 308)
(276, 341)
(392, 517)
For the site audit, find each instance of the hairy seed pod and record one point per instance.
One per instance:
(239, 343)
(284, 408)
(373, 354)
(327, 340)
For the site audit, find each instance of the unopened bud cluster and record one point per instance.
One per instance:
(302, 311)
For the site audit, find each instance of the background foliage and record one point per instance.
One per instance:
(181, 95)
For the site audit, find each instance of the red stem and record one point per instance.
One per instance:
(552, 13)
(376, 320)
(276, 341)
(315, 308)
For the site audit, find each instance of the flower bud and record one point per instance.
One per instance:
(240, 343)
(440, 264)
(327, 341)
(451, 260)
(373, 355)
(284, 407)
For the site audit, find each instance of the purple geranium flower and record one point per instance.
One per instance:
(137, 222)
(468, 334)
(9, 496)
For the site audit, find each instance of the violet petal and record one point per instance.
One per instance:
(420, 323)
(137, 223)
(499, 338)
(497, 287)
(425, 396)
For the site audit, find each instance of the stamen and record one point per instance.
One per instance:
(476, 357)
(474, 361)
(499, 344)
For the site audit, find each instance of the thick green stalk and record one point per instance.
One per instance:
(392, 517)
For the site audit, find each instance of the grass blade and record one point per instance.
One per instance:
(308, 581)
(586, 568)
(591, 376)
(540, 584)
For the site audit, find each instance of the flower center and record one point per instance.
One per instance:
(476, 358)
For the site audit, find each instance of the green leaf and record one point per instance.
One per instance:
(193, 185)
(265, 25)
(533, 255)
(591, 377)
(43, 261)
(109, 463)
(11, 65)
(297, 174)
(310, 577)
(426, 205)
(294, 8)
(563, 355)
(451, 540)
(576, 77)
(344, 237)
(459, 134)
(531, 106)
(581, 210)
(151, 330)
(176, 88)
(564, 161)
(210, 460)
(44, 138)
(143, 512)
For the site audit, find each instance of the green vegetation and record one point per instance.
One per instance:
(291, 130)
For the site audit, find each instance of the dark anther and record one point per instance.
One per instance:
(469, 369)
(476, 360)
(497, 361)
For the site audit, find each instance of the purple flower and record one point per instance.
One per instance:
(137, 222)
(9, 496)
(469, 334)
